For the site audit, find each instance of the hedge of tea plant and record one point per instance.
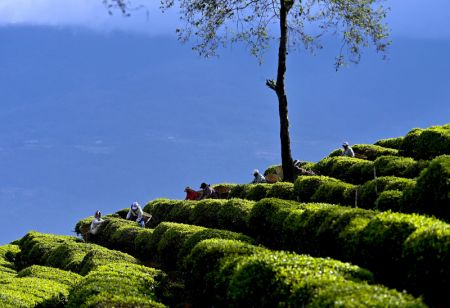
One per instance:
(352, 234)
(392, 143)
(228, 273)
(427, 143)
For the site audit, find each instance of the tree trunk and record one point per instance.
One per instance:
(286, 156)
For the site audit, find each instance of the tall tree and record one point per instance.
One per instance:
(215, 23)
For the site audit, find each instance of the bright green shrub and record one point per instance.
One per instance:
(426, 258)
(267, 217)
(369, 191)
(35, 247)
(305, 186)
(142, 244)
(54, 274)
(204, 264)
(68, 256)
(118, 285)
(32, 292)
(229, 214)
(392, 143)
(7, 256)
(336, 192)
(103, 256)
(281, 272)
(389, 200)
(235, 274)
(337, 152)
(168, 239)
(169, 210)
(257, 192)
(427, 143)
(347, 169)
(372, 152)
(431, 195)
(398, 166)
(172, 241)
(239, 191)
(330, 292)
(281, 190)
(381, 244)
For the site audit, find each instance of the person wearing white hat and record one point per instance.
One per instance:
(136, 213)
(96, 222)
(348, 151)
(259, 178)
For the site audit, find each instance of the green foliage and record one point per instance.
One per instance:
(7, 256)
(266, 219)
(347, 169)
(392, 143)
(231, 273)
(118, 285)
(54, 274)
(229, 214)
(103, 256)
(36, 247)
(32, 292)
(335, 192)
(399, 166)
(367, 238)
(389, 200)
(204, 264)
(305, 186)
(427, 143)
(172, 241)
(372, 152)
(257, 192)
(426, 254)
(281, 190)
(431, 195)
(369, 192)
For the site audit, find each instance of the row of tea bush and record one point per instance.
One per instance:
(111, 278)
(224, 269)
(403, 250)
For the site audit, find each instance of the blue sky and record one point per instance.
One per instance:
(99, 111)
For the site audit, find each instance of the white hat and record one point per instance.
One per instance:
(134, 204)
(345, 143)
(255, 171)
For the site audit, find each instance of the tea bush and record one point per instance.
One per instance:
(347, 169)
(392, 143)
(32, 292)
(372, 151)
(222, 214)
(405, 167)
(118, 285)
(427, 143)
(431, 195)
(67, 278)
(7, 257)
(235, 274)
(390, 200)
(306, 186)
(369, 191)
(377, 241)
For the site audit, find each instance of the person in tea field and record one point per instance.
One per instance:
(191, 194)
(299, 170)
(96, 222)
(135, 213)
(258, 177)
(207, 192)
(348, 151)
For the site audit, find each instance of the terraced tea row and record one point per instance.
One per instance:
(405, 251)
(235, 273)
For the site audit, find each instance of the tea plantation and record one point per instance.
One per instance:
(371, 231)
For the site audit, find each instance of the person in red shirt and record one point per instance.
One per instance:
(191, 194)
